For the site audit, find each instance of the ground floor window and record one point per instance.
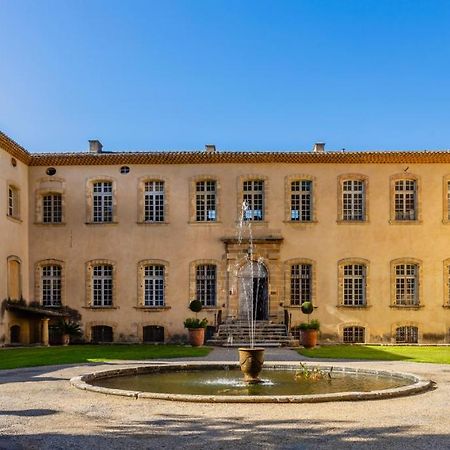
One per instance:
(15, 334)
(354, 335)
(153, 333)
(407, 335)
(101, 333)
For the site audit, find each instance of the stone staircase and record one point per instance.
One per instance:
(237, 334)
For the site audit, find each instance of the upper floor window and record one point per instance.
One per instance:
(354, 335)
(154, 285)
(102, 285)
(301, 283)
(253, 198)
(13, 202)
(51, 285)
(205, 201)
(154, 201)
(448, 200)
(407, 335)
(301, 200)
(102, 201)
(405, 200)
(52, 208)
(353, 200)
(205, 284)
(406, 284)
(354, 285)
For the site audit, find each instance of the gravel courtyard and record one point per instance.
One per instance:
(39, 409)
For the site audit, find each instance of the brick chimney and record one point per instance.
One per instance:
(319, 147)
(210, 148)
(95, 146)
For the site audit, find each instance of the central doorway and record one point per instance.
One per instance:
(253, 291)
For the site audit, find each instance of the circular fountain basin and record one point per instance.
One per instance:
(223, 382)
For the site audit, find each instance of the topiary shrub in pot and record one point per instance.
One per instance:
(195, 326)
(309, 330)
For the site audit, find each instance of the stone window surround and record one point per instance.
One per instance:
(192, 199)
(90, 195)
(340, 294)
(38, 278)
(354, 323)
(13, 185)
(287, 280)
(220, 281)
(140, 283)
(88, 328)
(287, 203)
(392, 180)
(240, 196)
(8, 275)
(445, 210)
(141, 200)
(141, 325)
(340, 203)
(419, 286)
(405, 323)
(58, 187)
(89, 285)
(446, 283)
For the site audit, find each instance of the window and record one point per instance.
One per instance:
(101, 333)
(51, 285)
(406, 285)
(407, 335)
(301, 201)
(205, 282)
(354, 285)
(448, 200)
(102, 285)
(153, 333)
(14, 278)
(154, 285)
(154, 201)
(301, 286)
(447, 282)
(354, 335)
(102, 201)
(253, 198)
(52, 208)
(13, 202)
(205, 201)
(405, 201)
(353, 200)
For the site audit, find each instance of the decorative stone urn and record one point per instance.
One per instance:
(251, 361)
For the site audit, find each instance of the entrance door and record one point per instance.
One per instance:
(253, 292)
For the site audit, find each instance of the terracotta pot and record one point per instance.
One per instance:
(251, 361)
(196, 336)
(309, 338)
(65, 339)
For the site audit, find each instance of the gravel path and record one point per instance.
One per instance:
(40, 410)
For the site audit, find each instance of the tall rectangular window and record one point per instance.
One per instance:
(205, 282)
(301, 201)
(102, 202)
(405, 200)
(205, 201)
(51, 285)
(254, 199)
(52, 208)
(353, 200)
(301, 291)
(406, 284)
(154, 285)
(154, 201)
(354, 285)
(102, 285)
(13, 202)
(448, 200)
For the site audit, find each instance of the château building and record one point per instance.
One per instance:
(127, 239)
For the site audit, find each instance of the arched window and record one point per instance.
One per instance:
(407, 335)
(14, 278)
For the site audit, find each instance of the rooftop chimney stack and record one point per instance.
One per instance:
(95, 146)
(319, 147)
(210, 148)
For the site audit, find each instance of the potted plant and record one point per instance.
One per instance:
(310, 329)
(69, 328)
(195, 326)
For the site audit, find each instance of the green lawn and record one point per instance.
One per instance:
(11, 358)
(440, 355)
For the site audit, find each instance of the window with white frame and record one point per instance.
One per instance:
(13, 202)
(301, 283)
(407, 335)
(353, 199)
(102, 201)
(51, 285)
(52, 208)
(154, 201)
(205, 284)
(205, 201)
(405, 200)
(448, 200)
(354, 335)
(154, 285)
(102, 285)
(253, 197)
(301, 201)
(354, 285)
(406, 284)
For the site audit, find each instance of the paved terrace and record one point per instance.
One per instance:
(40, 410)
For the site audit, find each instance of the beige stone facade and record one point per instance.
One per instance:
(382, 266)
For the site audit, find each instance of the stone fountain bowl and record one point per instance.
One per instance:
(415, 384)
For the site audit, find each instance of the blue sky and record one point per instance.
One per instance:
(365, 74)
